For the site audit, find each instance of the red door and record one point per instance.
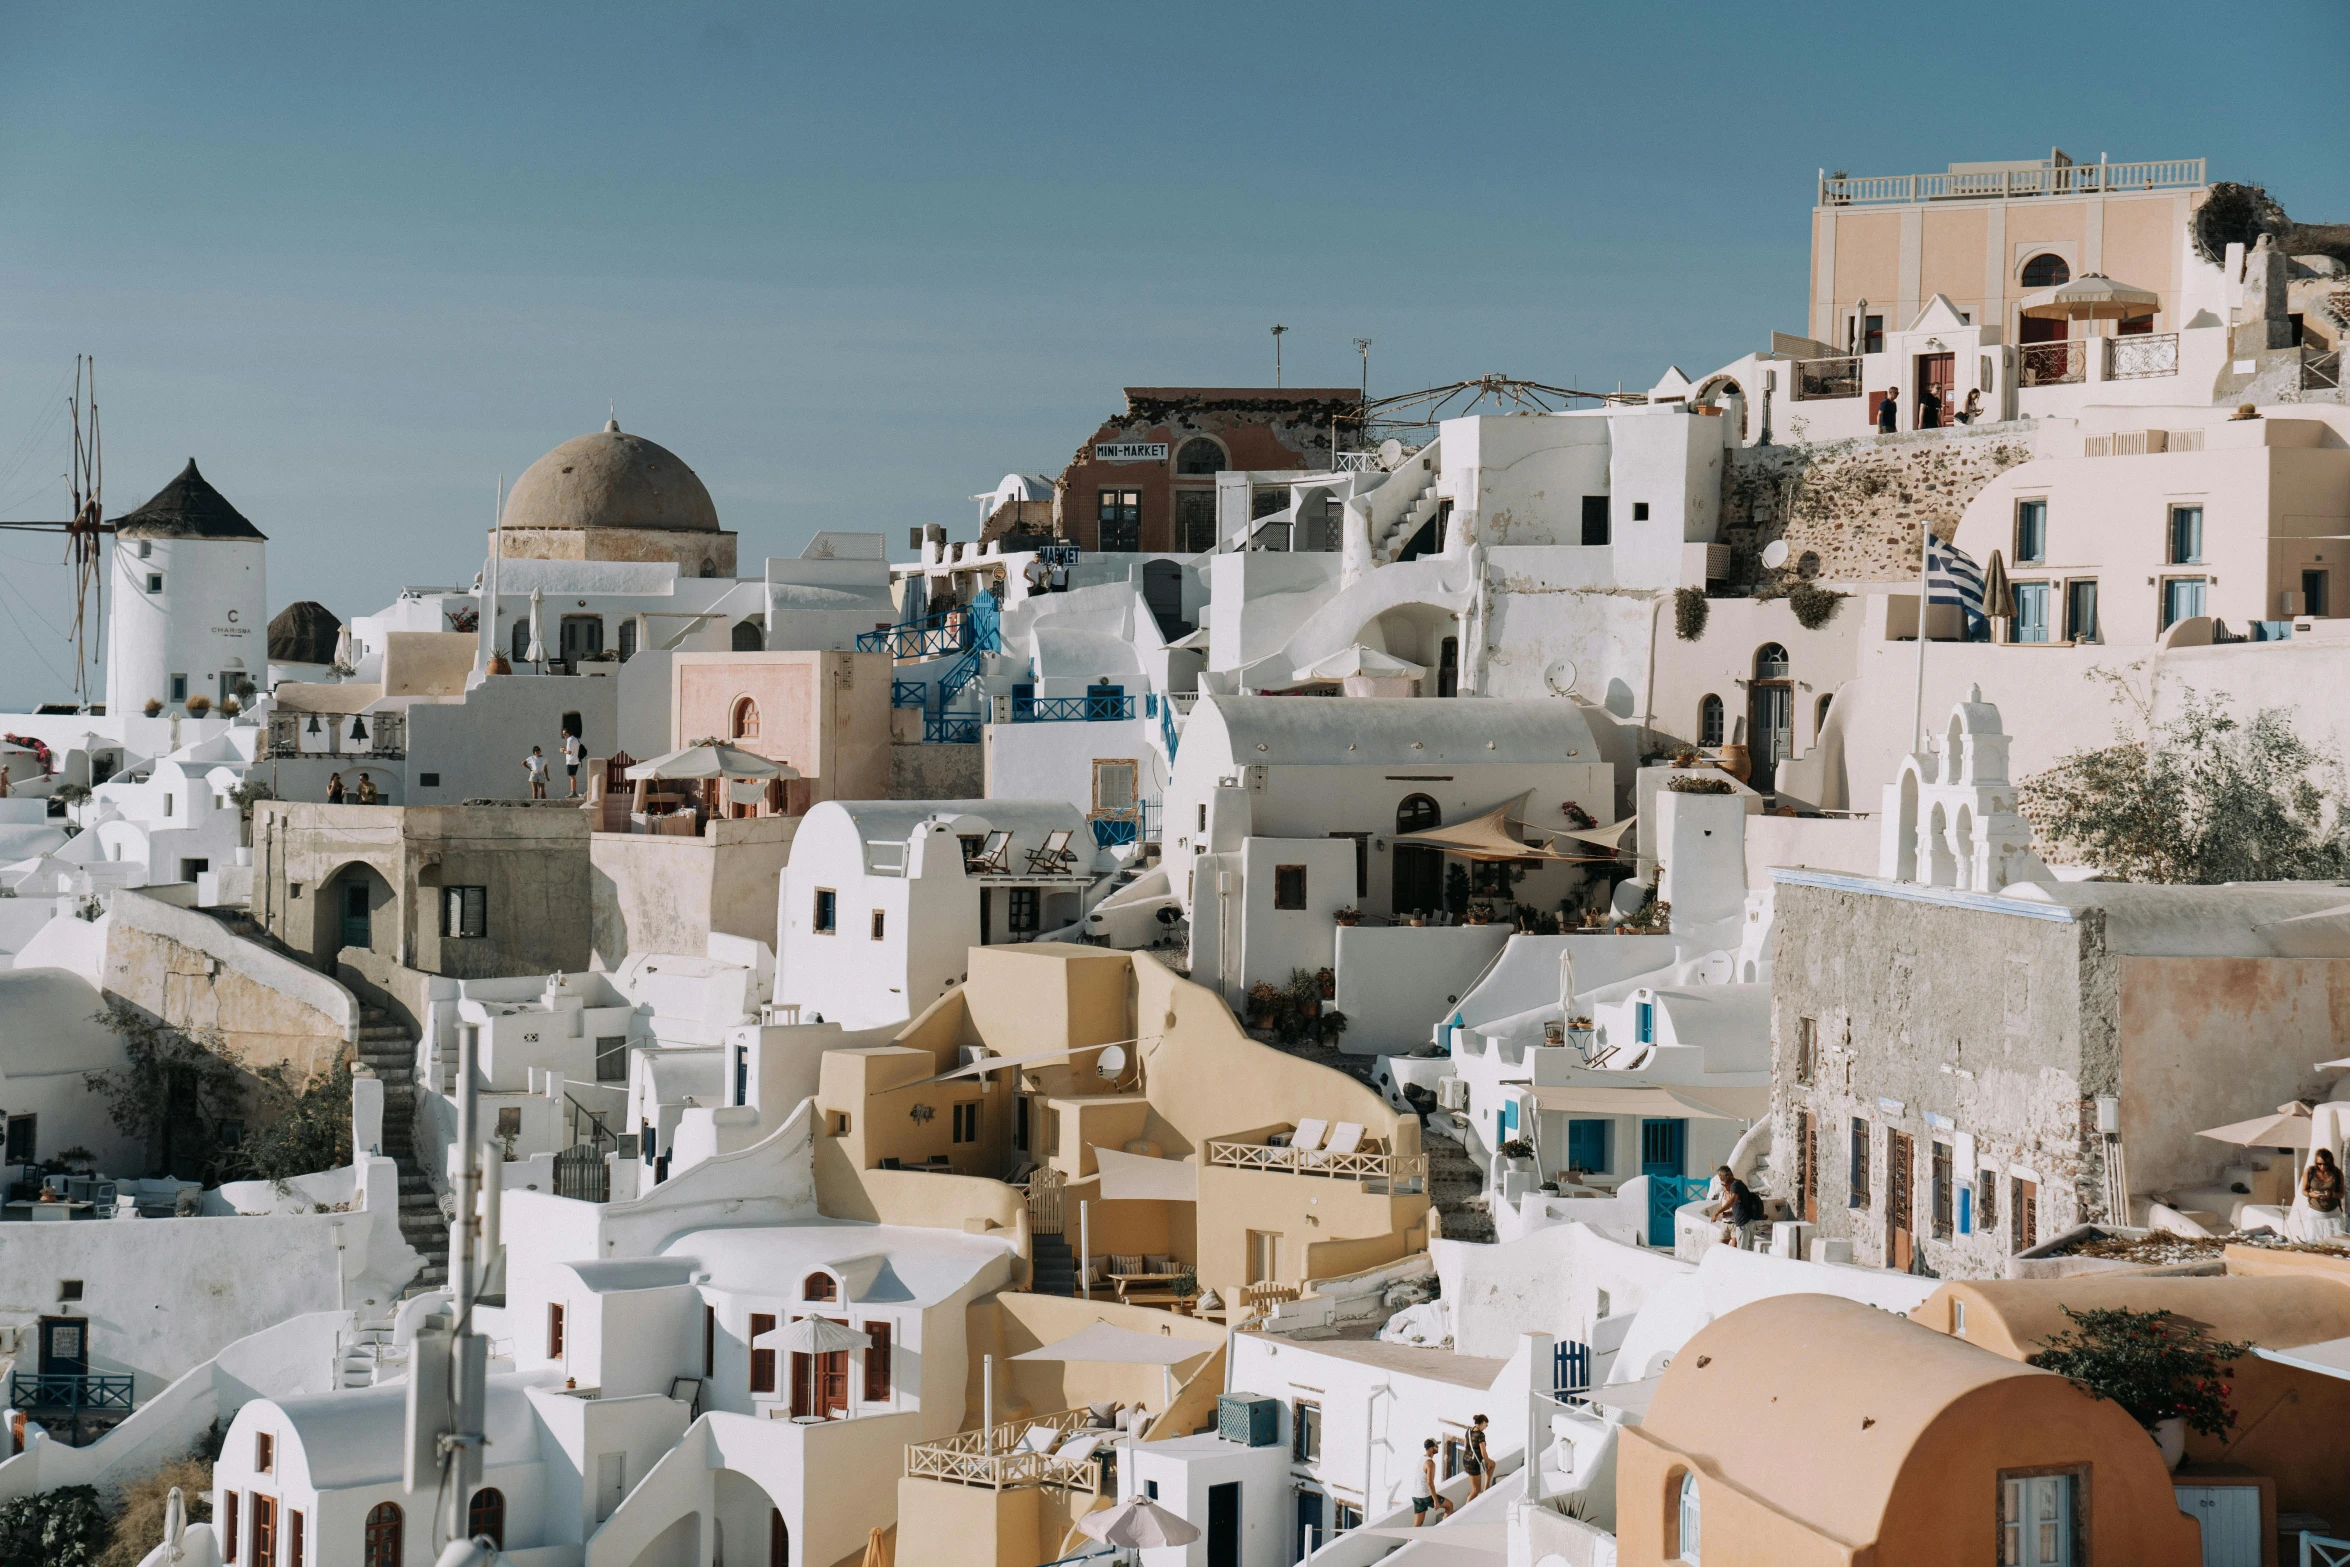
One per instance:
(1938, 373)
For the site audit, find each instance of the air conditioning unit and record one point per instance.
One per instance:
(1452, 1093)
(1248, 1419)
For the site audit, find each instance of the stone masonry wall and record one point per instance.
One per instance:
(1858, 504)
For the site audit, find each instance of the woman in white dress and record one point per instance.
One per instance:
(2317, 1216)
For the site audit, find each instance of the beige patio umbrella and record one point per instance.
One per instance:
(1138, 1523)
(2091, 297)
(711, 759)
(2288, 1128)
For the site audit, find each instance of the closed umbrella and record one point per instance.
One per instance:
(1998, 592)
(1138, 1523)
(878, 1551)
(2288, 1128)
(536, 653)
(816, 1336)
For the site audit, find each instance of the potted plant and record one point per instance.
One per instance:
(199, 705)
(1333, 1025)
(1349, 916)
(1479, 913)
(154, 708)
(1686, 756)
(2161, 1368)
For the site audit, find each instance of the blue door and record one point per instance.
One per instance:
(357, 928)
(1664, 1147)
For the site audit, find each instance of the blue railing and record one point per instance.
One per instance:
(1071, 709)
(1666, 1193)
(969, 631)
(1166, 715)
(909, 693)
(950, 729)
(69, 1390)
(933, 636)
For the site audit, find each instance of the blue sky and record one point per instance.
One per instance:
(853, 263)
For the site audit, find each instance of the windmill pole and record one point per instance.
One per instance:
(1277, 331)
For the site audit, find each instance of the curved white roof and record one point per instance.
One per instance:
(354, 1436)
(880, 1263)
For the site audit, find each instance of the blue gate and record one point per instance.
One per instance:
(1665, 1194)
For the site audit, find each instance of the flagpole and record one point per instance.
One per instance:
(1917, 725)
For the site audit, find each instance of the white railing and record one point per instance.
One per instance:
(1356, 462)
(1183, 702)
(1360, 1165)
(1999, 184)
(2134, 358)
(994, 1457)
(2054, 364)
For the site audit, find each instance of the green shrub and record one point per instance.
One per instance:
(1814, 606)
(1690, 610)
(1698, 783)
(2154, 1364)
(61, 1528)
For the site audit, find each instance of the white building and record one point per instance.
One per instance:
(190, 609)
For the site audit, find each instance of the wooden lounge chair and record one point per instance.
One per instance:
(992, 858)
(1307, 1137)
(1345, 1138)
(1056, 858)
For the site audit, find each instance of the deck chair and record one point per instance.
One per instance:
(1307, 1137)
(994, 857)
(1056, 857)
(1346, 1137)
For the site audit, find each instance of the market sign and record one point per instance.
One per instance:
(1130, 451)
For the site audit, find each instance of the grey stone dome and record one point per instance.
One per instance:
(611, 479)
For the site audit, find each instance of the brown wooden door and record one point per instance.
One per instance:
(1808, 1135)
(1900, 1163)
(1938, 373)
(820, 1383)
(2023, 1216)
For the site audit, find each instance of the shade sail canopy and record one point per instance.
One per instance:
(1139, 1177)
(2288, 1128)
(1612, 836)
(711, 759)
(2328, 1358)
(1105, 1344)
(1704, 1104)
(2091, 297)
(1350, 662)
(1140, 1523)
(987, 1064)
(814, 1336)
(1492, 836)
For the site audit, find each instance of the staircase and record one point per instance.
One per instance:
(389, 1051)
(1390, 543)
(1056, 1266)
(370, 1337)
(1456, 1189)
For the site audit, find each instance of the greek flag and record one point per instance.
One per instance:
(1952, 577)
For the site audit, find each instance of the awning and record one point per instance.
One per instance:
(1492, 836)
(1355, 661)
(1107, 1345)
(1704, 1104)
(711, 759)
(1132, 1176)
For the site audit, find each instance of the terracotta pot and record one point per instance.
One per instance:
(1737, 761)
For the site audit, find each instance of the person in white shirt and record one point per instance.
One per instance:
(535, 765)
(1425, 1497)
(573, 751)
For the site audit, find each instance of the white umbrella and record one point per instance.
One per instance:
(1138, 1523)
(2288, 1128)
(816, 1336)
(711, 759)
(536, 653)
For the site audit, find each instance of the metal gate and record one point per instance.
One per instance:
(581, 1174)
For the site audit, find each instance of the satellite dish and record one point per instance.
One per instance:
(1111, 1061)
(1774, 554)
(1560, 676)
(1391, 454)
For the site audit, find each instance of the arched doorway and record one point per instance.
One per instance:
(1770, 715)
(356, 908)
(753, 1527)
(1419, 871)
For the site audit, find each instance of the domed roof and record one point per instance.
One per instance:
(304, 632)
(611, 479)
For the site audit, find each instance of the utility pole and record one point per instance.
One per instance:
(1363, 347)
(1277, 331)
(448, 1368)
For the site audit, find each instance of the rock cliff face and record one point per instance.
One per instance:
(1857, 505)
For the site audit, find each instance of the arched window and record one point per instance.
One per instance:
(1418, 813)
(2046, 270)
(744, 724)
(749, 637)
(1199, 455)
(1770, 662)
(382, 1547)
(1709, 720)
(820, 1286)
(709, 568)
(1819, 723)
(1688, 1519)
(486, 1514)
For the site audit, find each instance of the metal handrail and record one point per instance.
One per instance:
(1818, 379)
(2140, 355)
(1071, 709)
(908, 693)
(2070, 179)
(2061, 363)
(69, 1390)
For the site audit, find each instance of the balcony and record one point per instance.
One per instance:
(1092, 708)
(1401, 1172)
(2053, 364)
(1818, 379)
(2071, 179)
(997, 1458)
(2140, 356)
(61, 1400)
